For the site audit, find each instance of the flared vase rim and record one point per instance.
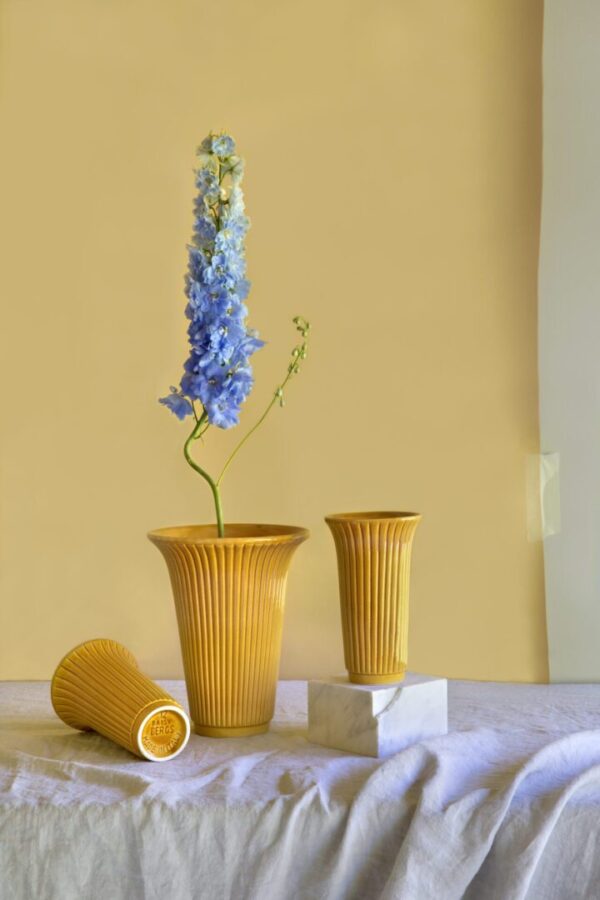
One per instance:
(58, 671)
(235, 533)
(376, 516)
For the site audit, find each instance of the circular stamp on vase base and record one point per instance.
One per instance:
(163, 733)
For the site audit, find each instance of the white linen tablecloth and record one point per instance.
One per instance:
(507, 805)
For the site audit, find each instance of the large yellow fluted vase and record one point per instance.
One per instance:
(229, 598)
(98, 686)
(373, 553)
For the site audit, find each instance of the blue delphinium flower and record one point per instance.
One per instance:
(217, 375)
(217, 372)
(177, 403)
(223, 146)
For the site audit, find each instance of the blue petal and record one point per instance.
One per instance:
(177, 404)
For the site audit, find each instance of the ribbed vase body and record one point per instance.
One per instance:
(99, 687)
(229, 598)
(373, 554)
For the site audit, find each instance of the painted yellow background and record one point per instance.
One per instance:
(393, 182)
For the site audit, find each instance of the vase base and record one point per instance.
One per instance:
(215, 731)
(361, 678)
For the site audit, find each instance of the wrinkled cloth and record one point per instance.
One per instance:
(507, 805)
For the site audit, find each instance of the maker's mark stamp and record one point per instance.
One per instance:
(163, 733)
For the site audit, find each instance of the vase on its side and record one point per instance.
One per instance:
(229, 598)
(373, 553)
(98, 686)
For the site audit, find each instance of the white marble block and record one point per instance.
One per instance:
(376, 720)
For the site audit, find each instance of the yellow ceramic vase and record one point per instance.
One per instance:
(99, 687)
(373, 553)
(229, 598)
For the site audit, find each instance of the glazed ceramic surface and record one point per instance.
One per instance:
(229, 598)
(373, 553)
(98, 687)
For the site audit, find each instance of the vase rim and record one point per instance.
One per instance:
(59, 670)
(377, 516)
(235, 533)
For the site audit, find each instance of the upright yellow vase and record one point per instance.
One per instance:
(229, 598)
(373, 553)
(98, 686)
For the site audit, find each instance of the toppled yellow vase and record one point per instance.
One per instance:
(373, 553)
(98, 687)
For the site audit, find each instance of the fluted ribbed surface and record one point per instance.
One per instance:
(373, 553)
(99, 687)
(229, 597)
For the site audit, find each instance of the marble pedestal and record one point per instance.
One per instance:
(376, 720)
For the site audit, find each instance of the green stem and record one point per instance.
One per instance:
(214, 486)
(276, 397)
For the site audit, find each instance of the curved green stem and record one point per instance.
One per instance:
(298, 354)
(198, 429)
(249, 434)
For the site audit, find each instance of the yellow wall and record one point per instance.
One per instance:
(393, 180)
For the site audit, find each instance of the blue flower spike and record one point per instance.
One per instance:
(217, 372)
(217, 375)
